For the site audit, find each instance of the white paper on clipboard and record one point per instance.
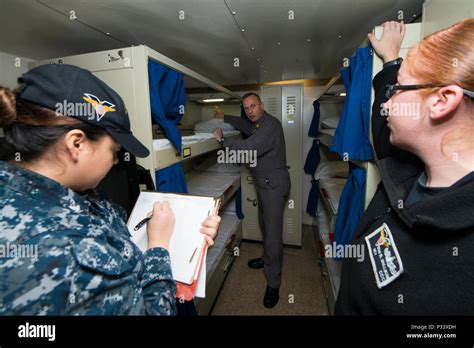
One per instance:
(187, 240)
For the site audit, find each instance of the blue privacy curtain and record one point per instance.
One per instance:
(167, 99)
(352, 139)
(352, 134)
(314, 127)
(312, 161)
(171, 179)
(351, 205)
(313, 198)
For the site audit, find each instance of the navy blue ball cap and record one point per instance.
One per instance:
(75, 92)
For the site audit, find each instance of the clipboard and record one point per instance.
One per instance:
(188, 247)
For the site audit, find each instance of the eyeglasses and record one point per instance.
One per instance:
(392, 89)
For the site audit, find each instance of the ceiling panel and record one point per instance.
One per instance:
(282, 41)
(209, 38)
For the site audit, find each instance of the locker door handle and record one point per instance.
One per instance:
(254, 201)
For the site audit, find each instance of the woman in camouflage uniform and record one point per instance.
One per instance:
(81, 259)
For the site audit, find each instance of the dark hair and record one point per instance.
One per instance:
(30, 129)
(251, 94)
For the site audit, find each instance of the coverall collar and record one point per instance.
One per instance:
(41, 188)
(449, 210)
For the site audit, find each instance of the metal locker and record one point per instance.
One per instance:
(250, 226)
(292, 122)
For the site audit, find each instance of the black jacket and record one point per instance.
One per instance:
(434, 238)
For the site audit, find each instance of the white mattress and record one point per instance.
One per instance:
(330, 169)
(330, 122)
(211, 166)
(328, 131)
(228, 227)
(163, 144)
(325, 136)
(204, 184)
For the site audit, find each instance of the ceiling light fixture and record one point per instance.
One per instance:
(213, 100)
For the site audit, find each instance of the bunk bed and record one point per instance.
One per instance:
(218, 180)
(330, 192)
(331, 186)
(219, 258)
(325, 136)
(193, 146)
(332, 177)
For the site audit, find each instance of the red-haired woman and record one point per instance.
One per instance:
(418, 231)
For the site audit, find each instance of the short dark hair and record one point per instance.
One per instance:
(251, 94)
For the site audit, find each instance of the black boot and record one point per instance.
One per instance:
(272, 295)
(256, 263)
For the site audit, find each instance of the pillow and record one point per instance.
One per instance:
(332, 169)
(210, 165)
(209, 125)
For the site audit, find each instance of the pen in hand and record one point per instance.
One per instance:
(144, 221)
